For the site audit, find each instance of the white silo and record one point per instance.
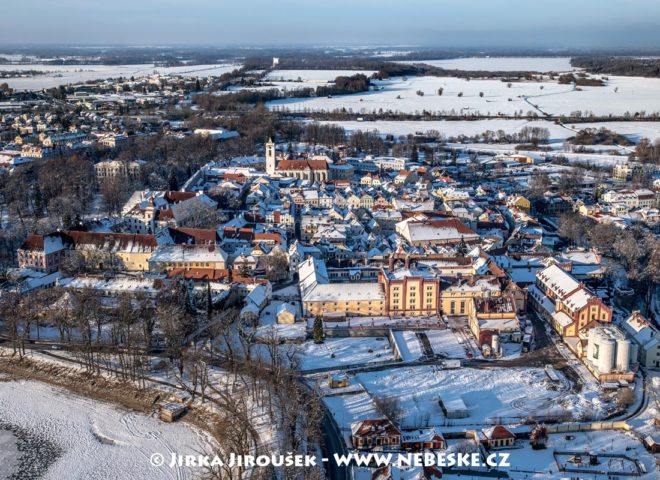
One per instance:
(622, 354)
(606, 350)
(495, 342)
(591, 340)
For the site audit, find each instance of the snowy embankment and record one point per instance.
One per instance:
(96, 440)
(408, 345)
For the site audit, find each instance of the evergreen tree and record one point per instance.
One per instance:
(317, 331)
(462, 249)
(414, 157)
(172, 181)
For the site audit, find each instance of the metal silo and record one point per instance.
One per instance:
(622, 354)
(606, 354)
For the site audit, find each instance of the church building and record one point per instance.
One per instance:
(311, 168)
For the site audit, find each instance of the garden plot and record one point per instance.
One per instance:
(502, 64)
(524, 460)
(620, 95)
(494, 394)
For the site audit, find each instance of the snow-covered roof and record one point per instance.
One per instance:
(560, 282)
(345, 292)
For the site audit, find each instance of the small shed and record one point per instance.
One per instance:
(337, 380)
(286, 314)
(651, 444)
(453, 407)
(170, 412)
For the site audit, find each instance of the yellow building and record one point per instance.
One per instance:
(520, 202)
(123, 251)
(493, 316)
(457, 299)
(345, 299)
(410, 292)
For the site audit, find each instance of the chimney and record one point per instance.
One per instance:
(391, 263)
(407, 261)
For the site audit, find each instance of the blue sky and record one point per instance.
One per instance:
(556, 23)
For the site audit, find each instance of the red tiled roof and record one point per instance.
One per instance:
(201, 235)
(302, 165)
(33, 242)
(208, 274)
(115, 241)
(175, 197)
(501, 433)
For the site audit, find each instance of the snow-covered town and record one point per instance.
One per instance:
(333, 252)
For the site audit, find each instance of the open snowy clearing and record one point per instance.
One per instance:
(490, 394)
(343, 352)
(66, 74)
(618, 96)
(96, 439)
(503, 64)
(558, 134)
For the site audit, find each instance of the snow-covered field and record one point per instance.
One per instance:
(313, 76)
(558, 134)
(489, 394)
(96, 440)
(342, 352)
(503, 64)
(632, 95)
(65, 74)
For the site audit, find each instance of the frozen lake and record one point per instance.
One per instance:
(503, 64)
(84, 438)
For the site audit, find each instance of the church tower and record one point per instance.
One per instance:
(271, 163)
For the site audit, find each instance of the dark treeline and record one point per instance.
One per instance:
(245, 99)
(628, 66)
(648, 152)
(345, 85)
(390, 69)
(580, 80)
(602, 136)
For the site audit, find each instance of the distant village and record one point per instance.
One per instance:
(452, 259)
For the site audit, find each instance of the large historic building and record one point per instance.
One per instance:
(312, 168)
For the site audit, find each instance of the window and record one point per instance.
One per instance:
(462, 307)
(452, 307)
